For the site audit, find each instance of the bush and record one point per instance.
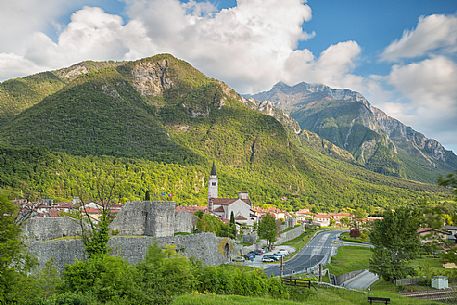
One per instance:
(241, 281)
(354, 233)
(164, 274)
(72, 298)
(108, 278)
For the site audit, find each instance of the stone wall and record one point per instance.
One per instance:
(45, 228)
(206, 247)
(158, 219)
(131, 219)
(289, 235)
(184, 222)
(162, 218)
(347, 276)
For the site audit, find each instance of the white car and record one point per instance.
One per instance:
(283, 252)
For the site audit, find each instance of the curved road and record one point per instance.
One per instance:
(361, 281)
(309, 257)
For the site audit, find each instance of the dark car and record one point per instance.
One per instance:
(250, 256)
(259, 252)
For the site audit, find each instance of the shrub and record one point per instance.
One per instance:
(108, 278)
(354, 233)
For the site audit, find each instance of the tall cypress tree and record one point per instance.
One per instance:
(232, 224)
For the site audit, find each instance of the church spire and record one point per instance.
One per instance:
(213, 170)
(212, 186)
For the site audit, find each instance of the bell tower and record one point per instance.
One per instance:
(212, 184)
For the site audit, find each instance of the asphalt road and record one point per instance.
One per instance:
(361, 281)
(309, 256)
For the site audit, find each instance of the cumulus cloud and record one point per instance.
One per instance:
(19, 19)
(12, 65)
(435, 32)
(91, 34)
(431, 96)
(333, 67)
(246, 45)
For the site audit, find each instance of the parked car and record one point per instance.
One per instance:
(252, 253)
(238, 259)
(259, 252)
(250, 256)
(277, 256)
(268, 259)
(283, 252)
(272, 256)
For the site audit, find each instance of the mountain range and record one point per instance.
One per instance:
(375, 140)
(158, 123)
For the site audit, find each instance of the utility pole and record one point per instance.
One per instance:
(281, 266)
(320, 272)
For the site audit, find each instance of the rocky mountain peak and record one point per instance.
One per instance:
(347, 119)
(152, 78)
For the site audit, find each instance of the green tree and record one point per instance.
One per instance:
(268, 229)
(211, 223)
(147, 196)
(232, 224)
(449, 181)
(164, 274)
(108, 278)
(395, 243)
(16, 286)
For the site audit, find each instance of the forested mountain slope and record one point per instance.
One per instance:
(158, 123)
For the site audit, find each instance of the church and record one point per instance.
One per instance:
(241, 207)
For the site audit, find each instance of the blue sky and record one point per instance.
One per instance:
(373, 24)
(402, 54)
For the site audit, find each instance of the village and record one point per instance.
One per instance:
(246, 213)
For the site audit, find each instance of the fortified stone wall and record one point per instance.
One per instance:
(46, 228)
(161, 218)
(131, 219)
(289, 235)
(206, 247)
(184, 222)
(157, 219)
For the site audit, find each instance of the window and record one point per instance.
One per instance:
(213, 183)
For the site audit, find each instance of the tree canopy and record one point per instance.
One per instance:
(395, 241)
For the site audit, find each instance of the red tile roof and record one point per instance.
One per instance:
(223, 201)
(191, 208)
(304, 211)
(219, 209)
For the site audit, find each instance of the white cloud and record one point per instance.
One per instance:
(333, 67)
(20, 19)
(246, 45)
(12, 65)
(431, 97)
(433, 33)
(91, 34)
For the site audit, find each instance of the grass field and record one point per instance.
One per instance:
(346, 237)
(299, 242)
(321, 296)
(349, 259)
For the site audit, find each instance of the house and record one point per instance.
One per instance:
(241, 207)
(428, 235)
(322, 220)
(453, 233)
(277, 213)
(304, 215)
(339, 216)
